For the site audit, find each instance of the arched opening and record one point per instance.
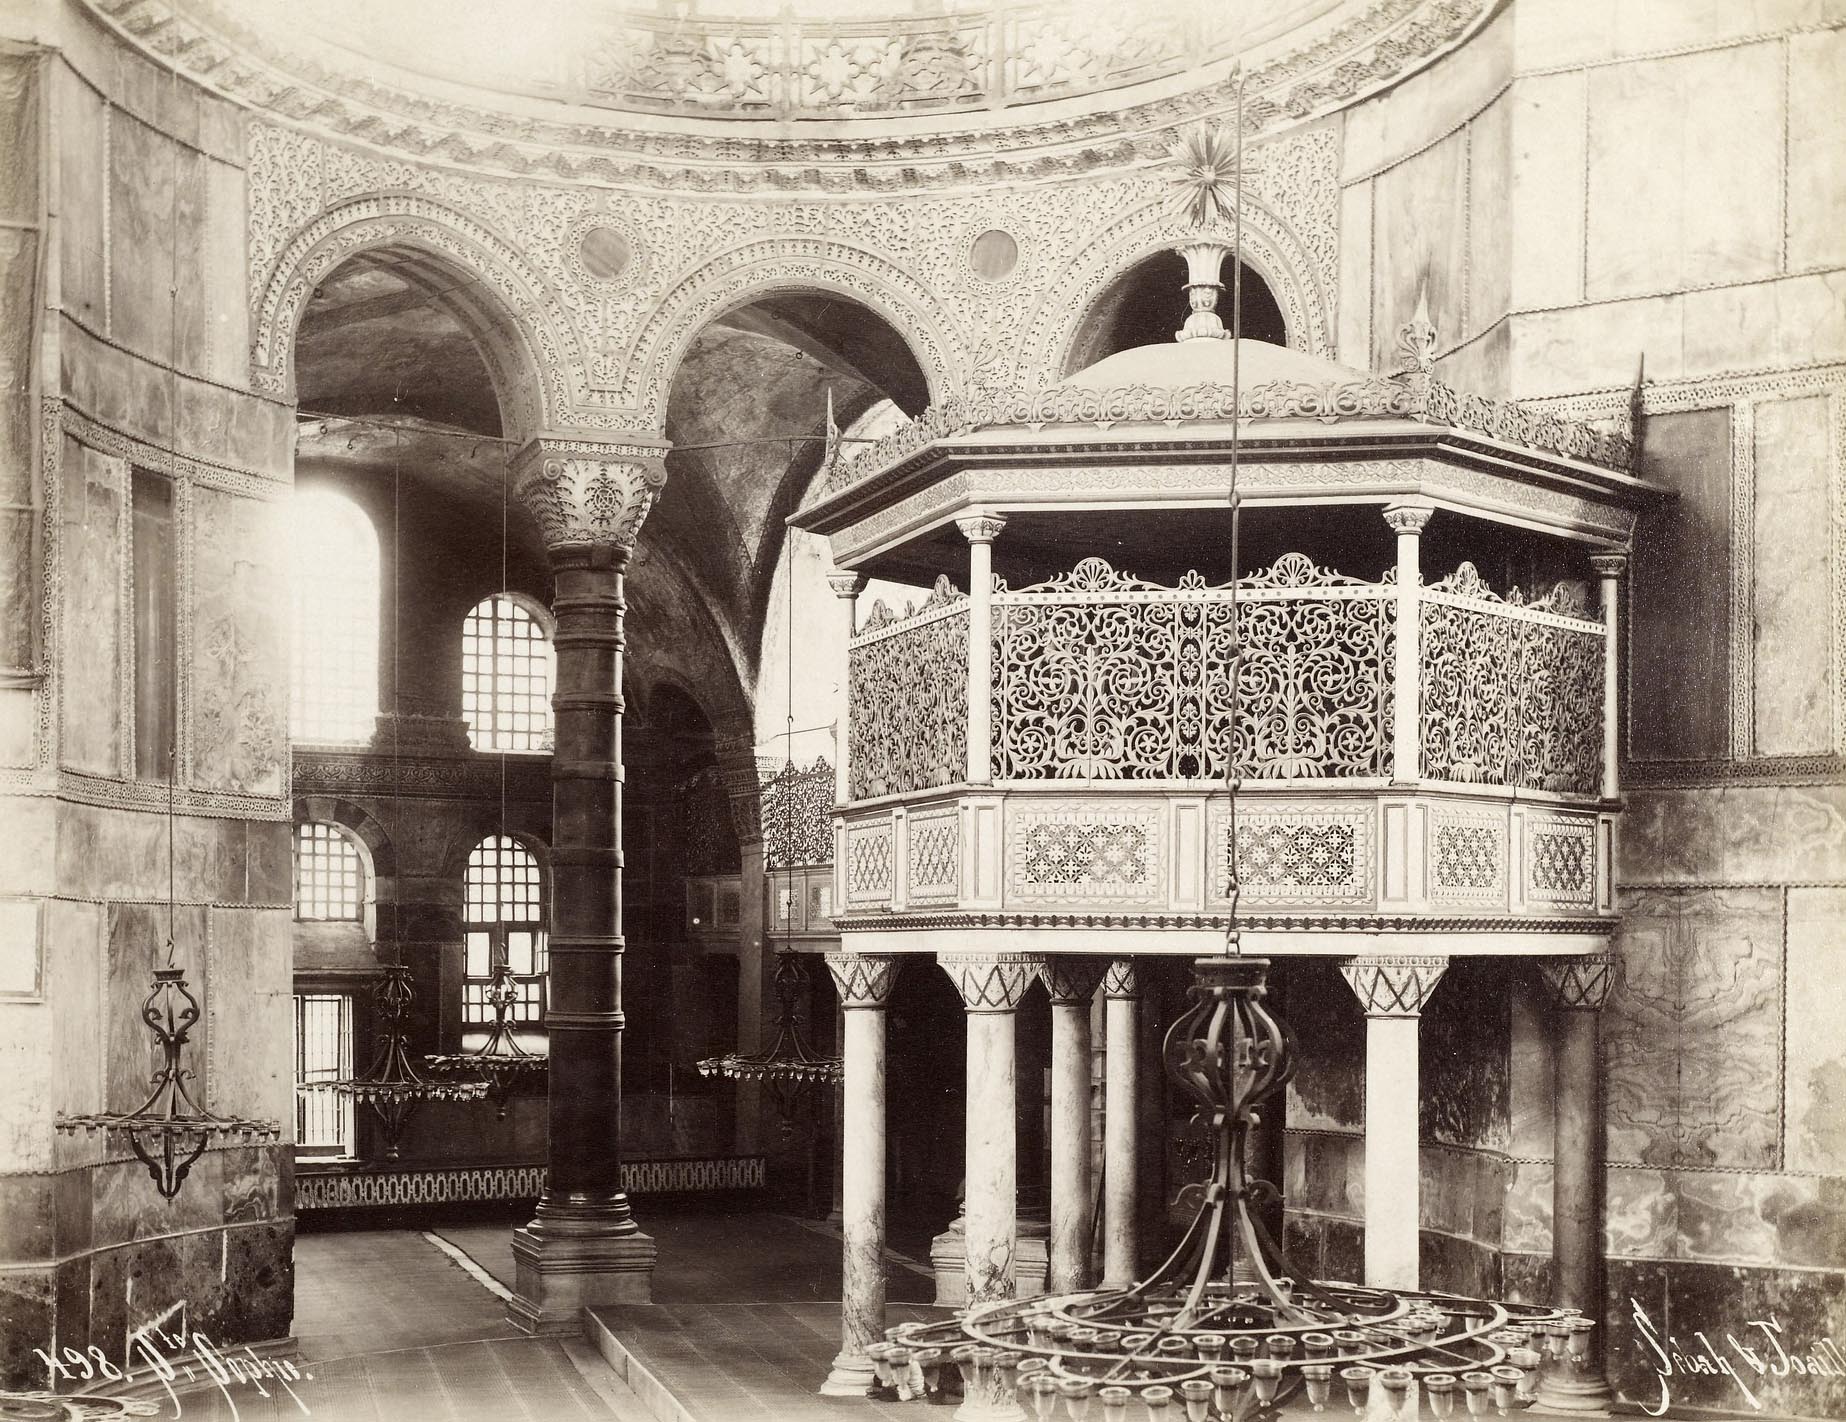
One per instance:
(1146, 304)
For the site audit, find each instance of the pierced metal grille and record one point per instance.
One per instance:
(329, 878)
(508, 671)
(503, 921)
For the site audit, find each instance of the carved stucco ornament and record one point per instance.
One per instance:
(587, 493)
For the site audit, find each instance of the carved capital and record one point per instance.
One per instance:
(584, 492)
(863, 979)
(1072, 980)
(1392, 985)
(981, 527)
(1609, 565)
(845, 582)
(1120, 979)
(990, 982)
(1579, 984)
(1408, 517)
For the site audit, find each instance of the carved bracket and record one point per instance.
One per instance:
(1581, 983)
(863, 979)
(1071, 980)
(582, 492)
(1393, 985)
(990, 982)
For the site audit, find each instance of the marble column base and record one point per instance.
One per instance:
(948, 1257)
(852, 1376)
(558, 1275)
(1575, 1391)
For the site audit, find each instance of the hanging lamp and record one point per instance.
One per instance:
(392, 1086)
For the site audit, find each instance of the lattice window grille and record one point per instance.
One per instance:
(1098, 855)
(323, 1052)
(1467, 857)
(509, 669)
(1295, 857)
(329, 875)
(797, 811)
(1561, 861)
(503, 921)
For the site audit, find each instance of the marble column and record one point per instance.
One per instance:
(1407, 520)
(846, 587)
(1392, 990)
(1610, 568)
(991, 986)
(1071, 983)
(1579, 988)
(583, 1246)
(980, 529)
(864, 981)
(1121, 1240)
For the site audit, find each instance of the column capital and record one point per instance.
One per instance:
(1393, 985)
(1121, 979)
(1409, 515)
(1071, 979)
(845, 582)
(990, 982)
(1609, 565)
(981, 527)
(1579, 983)
(863, 979)
(585, 491)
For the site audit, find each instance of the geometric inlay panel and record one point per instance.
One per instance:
(934, 842)
(1295, 856)
(1467, 857)
(868, 863)
(1561, 862)
(1092, 854)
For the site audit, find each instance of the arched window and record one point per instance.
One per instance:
(508, 668)
(329, 875)
(334, 686)
(503, 921)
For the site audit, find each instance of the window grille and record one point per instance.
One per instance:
(323, 1052)
(508, 669)
(503, 921)
(329, 878)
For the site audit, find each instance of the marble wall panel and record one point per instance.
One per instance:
(1696, 203)
(1815, 1044)
(1355, 322)
(25, 1322)
(1740, 834)
(1793, 674)
(122, 854)
(1328, 1091)
(1679, 600)
(26, 1064)
(1420, 244)
(1545, 210)
(19, 581)
(1816, 150)
(1428, 105)
(1462, 1048)
(1529, 1070)
(1492, 176)
(1792, 321)
(1526, 1223)
(75, 936)
(221, 287)
(90, 551)
(29, 866)
(239, 639)
(82, 171)
(251, 976)
(1640, 1214)
(137, 942)
(1692, 1032)
(1682, 1301)
(1458, 1266)
(144, 185)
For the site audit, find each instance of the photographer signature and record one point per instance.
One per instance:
(1760, 1353)
(182, 1356)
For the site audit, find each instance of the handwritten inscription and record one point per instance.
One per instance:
(181, 1356)
(1762, 1351)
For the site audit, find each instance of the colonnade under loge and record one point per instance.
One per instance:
(1391, 989)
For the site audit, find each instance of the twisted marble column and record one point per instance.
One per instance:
(1071, 983)
(864, 982)
(991, 986)
(583, 1246)
(1393, 991)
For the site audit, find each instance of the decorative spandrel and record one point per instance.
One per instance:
(169, 1131)
(1227, 1329)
